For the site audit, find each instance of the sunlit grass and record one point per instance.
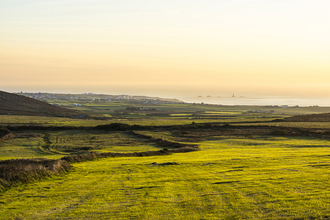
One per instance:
(229, 113)
(231, 178)
(25, 148)
(47, 121)
(140, 120)
(56, 144)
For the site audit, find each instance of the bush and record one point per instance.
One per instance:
(27, 170)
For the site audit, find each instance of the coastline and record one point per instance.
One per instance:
(262, 101)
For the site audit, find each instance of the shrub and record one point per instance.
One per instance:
(27, 170)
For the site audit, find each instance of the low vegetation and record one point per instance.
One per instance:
(28, 170)
(194, 162)
(263, 177)
(310, 118)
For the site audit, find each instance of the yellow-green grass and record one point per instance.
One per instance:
(57, 144)
(99, 141)
(20, 150)
(261, 178)
(155, 121)
(209, 108)
(48, 121)
(227, 113)
(25, 148)
(125, 149)
(182, 121)
(116, 105)
(322, 125)
(181, 114)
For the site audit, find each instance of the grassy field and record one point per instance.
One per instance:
(47, 121)
(110, 107)
(243, 175)
(230, 178)
(321, 125)
(55, 144)
(157, 121)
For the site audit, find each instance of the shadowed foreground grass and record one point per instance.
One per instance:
(260, 178)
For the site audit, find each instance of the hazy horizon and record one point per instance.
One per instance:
(226, 99)
(252, 48)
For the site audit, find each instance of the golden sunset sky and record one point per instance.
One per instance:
(164, 48)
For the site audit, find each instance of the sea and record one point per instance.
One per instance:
(260, 101)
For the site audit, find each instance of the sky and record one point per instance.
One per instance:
(166, 48)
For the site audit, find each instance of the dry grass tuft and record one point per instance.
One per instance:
(28, 170)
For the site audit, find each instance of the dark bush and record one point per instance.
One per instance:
(5, 134)
(278, 132)
(27, 170)
(226, 125)
(118, 127)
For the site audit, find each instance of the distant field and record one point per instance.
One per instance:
(47, 121)
(260, 178)
(218, 109)
(322, 125)
(214, 112)
(157, 121)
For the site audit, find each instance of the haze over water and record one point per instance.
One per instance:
(260, 101)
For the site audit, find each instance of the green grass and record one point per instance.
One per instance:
(231, 178)
(56, 144)
(230, 113)
(181, 115)
(140, 119)
(92, 106)
(48, 121)
(20, 149)
(321, 125)
(263, 177)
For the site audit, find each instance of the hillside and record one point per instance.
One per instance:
(12, 104)
(325, 117)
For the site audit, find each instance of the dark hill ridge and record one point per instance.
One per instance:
(12, 104)
(325, 117)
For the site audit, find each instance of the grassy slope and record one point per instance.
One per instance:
(262, 178)
(12, 104)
